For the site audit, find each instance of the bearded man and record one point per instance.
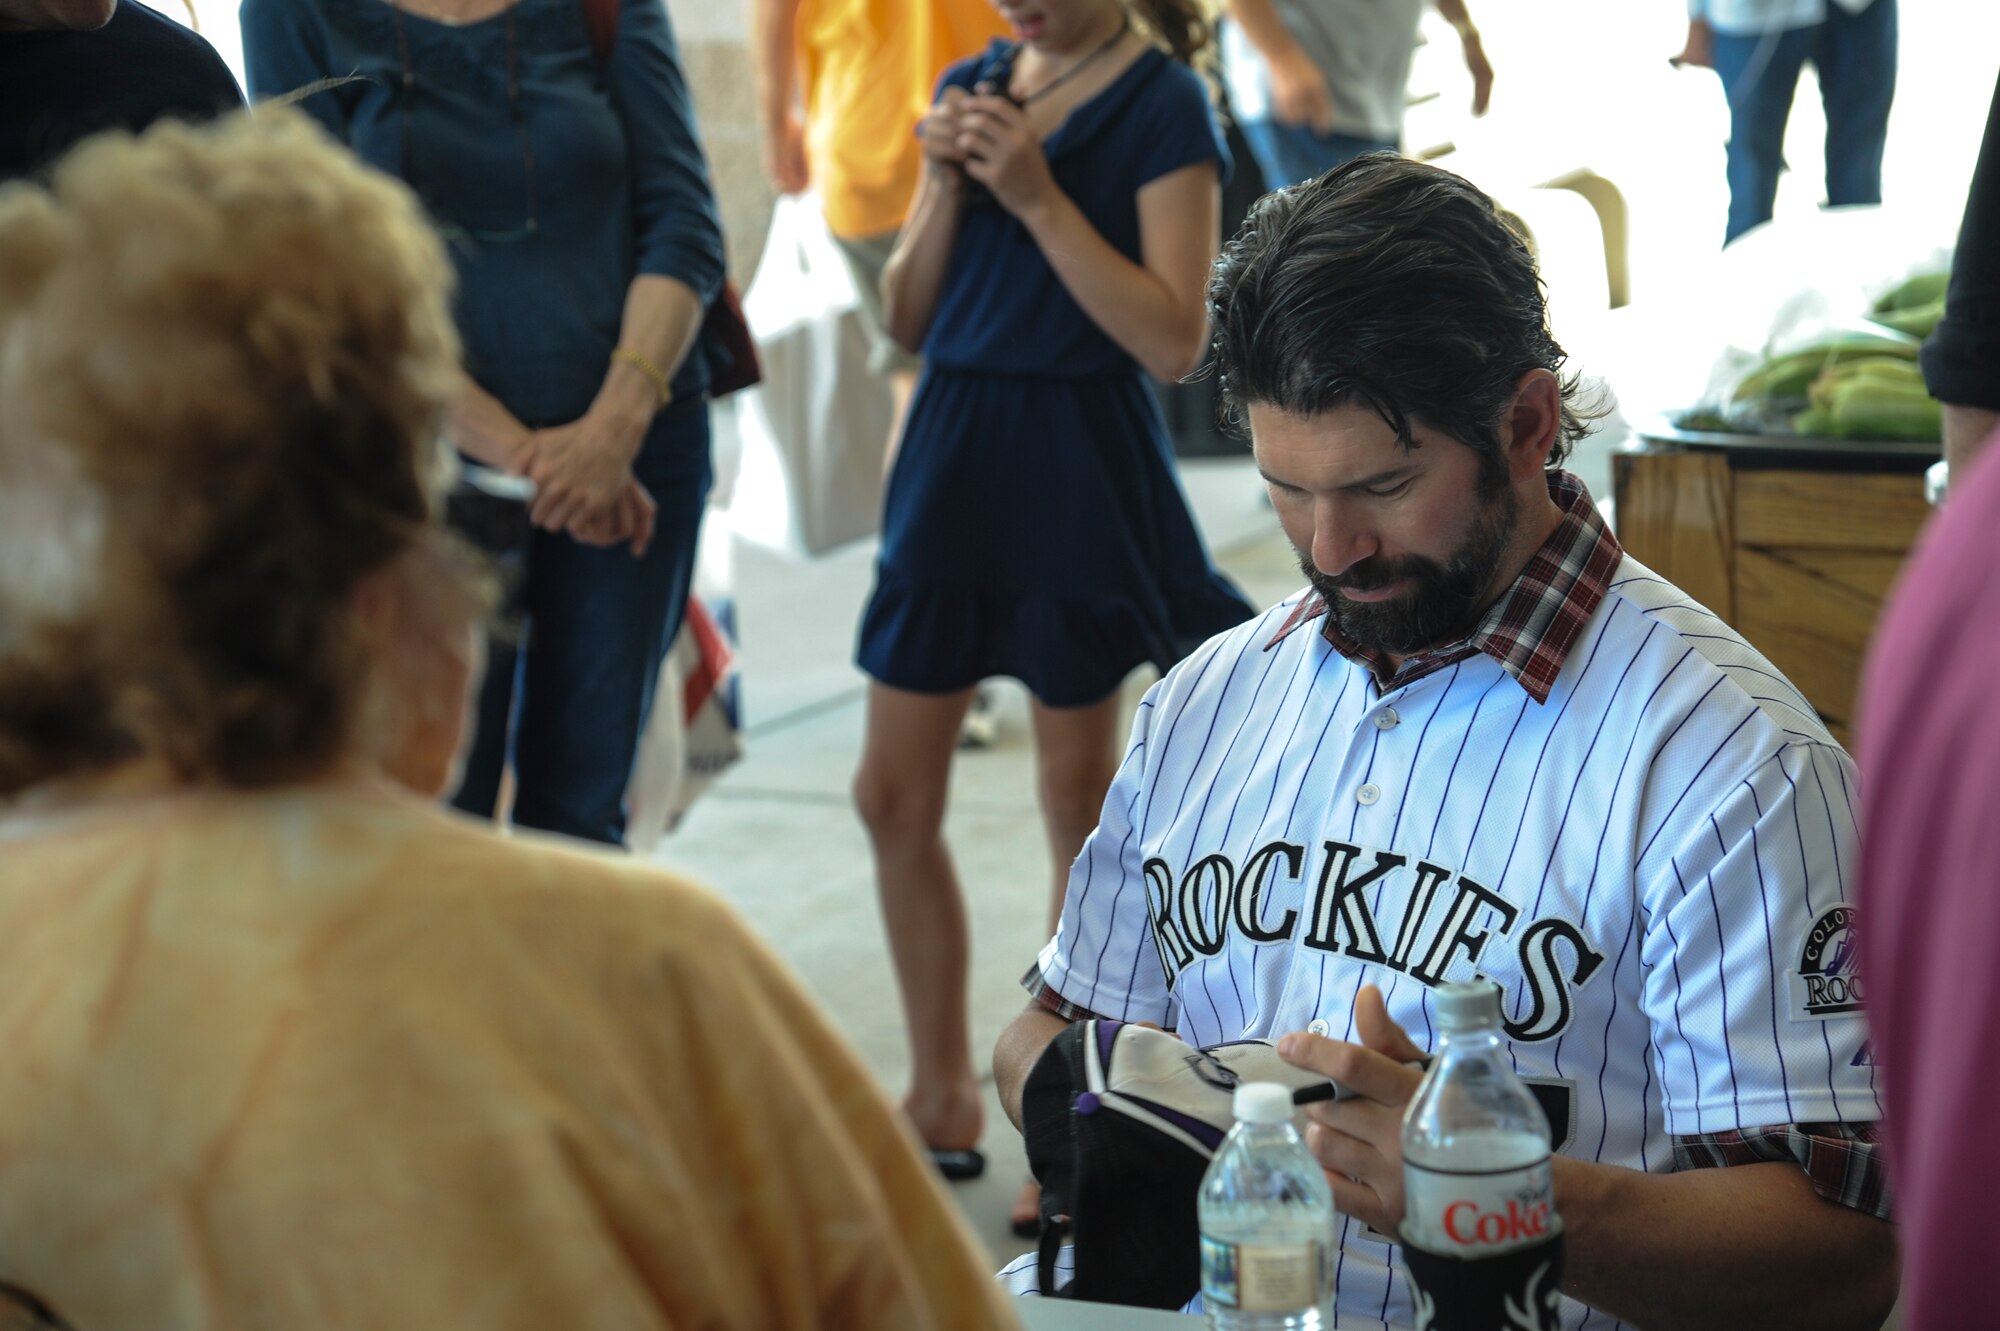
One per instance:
(1486, 743)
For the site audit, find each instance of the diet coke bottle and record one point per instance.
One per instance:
(1480, 1232)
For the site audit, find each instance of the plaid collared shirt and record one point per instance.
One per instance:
(1843, 1160)
(1530, 630)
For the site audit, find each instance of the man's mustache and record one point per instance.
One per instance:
(1373, 574)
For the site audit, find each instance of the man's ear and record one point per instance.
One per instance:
(1532, 423)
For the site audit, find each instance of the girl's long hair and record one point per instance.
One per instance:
(1185, 27)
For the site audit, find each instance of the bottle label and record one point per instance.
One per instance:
(1520, 1290)
(1478, 1213)
(1263, 1277)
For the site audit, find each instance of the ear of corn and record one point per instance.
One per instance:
(1916, 320)
(1879, 369)
(1872, 404)
(1788, 376)
(1914, 292)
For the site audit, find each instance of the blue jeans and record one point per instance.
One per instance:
(578, 685)
(1289, 154)
(1855, 55)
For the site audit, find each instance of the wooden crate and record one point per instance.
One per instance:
(1797, 561)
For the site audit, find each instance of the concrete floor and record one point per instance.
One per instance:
(778, 836)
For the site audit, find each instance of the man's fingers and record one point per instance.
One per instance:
(1359, 1069)
(1361, 1202)
(1343, 1153)
(1379, 1031)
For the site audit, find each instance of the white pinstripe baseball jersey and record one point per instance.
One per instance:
(1655, 864)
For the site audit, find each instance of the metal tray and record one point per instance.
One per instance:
(1658, 429)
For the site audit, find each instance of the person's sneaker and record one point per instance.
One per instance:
(981, 726)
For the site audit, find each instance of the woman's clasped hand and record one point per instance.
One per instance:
(584, 483)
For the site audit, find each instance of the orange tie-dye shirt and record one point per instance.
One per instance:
(328, 1058)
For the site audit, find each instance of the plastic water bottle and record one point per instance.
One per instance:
(1266, 1223)
(1480, 1230)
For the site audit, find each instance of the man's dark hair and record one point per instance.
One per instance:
(1392, 285)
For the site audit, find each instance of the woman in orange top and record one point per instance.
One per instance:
(287, 1045)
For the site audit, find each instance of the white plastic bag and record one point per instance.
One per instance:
(815, 432)
(695, 732)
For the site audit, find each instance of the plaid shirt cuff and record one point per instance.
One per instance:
(1843, 1160)
(1039, 989)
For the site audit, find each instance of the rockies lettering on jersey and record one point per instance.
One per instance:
(1194, 912)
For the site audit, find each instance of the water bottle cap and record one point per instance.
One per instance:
(1263, 1102)
(1468, 1005)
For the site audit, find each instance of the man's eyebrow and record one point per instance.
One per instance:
(1380, 478)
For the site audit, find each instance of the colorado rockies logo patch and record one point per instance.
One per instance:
(1826, 984)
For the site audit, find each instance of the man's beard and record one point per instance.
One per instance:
(1441, 600)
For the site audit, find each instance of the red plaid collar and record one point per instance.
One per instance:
(1530, 630)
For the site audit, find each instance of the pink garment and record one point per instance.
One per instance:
(1930, 916)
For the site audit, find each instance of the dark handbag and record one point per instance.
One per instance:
(1120, 1122)
(725, 333)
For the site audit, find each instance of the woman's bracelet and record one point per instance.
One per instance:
(647, 368)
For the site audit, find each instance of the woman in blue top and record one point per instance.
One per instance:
(1058, 250)
(571, 187)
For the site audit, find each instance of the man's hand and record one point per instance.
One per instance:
(1298, 92)
(1003, 153)
(1481, 70)
(1359, 1142)
(1699, 49)
(582, 470)
(785, 154)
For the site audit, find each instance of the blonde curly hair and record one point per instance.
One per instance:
(225, 353)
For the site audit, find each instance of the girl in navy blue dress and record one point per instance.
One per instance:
(1058, 251)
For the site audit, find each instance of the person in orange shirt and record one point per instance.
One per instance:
(287, 1044)
(841, 85)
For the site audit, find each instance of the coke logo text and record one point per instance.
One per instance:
(1466, 1224)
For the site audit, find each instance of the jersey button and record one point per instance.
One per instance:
(1368, 794)
(1318, 1027)
(1386, 719)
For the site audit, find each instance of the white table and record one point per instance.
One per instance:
(1069, 1315)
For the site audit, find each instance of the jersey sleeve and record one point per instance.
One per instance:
(1178, 129)
(1750, 942)
(1103, 960)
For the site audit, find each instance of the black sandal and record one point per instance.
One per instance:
(958, 1166)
